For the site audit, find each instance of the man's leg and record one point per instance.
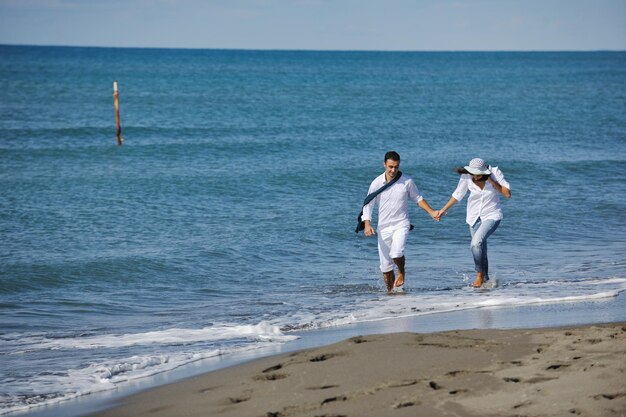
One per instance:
(386, 262)
(400, 264)
(389, 280)
(397, 253)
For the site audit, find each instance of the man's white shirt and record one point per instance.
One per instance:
(393, 203)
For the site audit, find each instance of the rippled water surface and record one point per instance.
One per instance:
(226, 221)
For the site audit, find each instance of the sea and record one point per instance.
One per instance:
(225, 223)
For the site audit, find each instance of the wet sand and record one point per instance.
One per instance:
(578, 371)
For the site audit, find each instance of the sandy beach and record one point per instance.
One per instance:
(579, 371)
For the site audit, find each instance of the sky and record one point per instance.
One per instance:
(399, 25)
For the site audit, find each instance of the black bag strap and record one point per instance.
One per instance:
(361, 224)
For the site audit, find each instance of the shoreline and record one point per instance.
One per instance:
(536, 317)
(488, 372)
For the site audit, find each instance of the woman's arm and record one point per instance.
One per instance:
(449, 204)
(500, 188)
(457, 195)
(499, 183)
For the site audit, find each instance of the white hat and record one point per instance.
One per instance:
(478, 167)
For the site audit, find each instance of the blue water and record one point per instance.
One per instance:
(226, 220)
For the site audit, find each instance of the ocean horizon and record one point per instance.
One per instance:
(165, 48)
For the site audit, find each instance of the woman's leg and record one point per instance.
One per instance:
(480, 231)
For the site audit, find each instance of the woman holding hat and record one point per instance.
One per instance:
(484, 212)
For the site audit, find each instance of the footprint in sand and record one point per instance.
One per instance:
(399, 384)
(323, 387)
(237, 400)
(323, 357)
(273, 368)
(208, 389)
(556, 366)
(270, 377)
(333, 399)
(523, 404)
(458, 391)
(406, 404)
(434, 385)
(609, 396)
(537, 379)
(455, 373)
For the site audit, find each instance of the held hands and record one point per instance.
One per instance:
(438, 214)
(435, 214)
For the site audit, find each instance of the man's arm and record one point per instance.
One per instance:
(423, 204)
(368, 210)
(369, 230)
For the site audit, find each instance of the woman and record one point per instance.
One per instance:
(484, 213)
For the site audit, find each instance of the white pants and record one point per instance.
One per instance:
(391, 242)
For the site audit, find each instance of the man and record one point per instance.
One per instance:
(393, 218)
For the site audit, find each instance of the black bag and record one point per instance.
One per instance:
(361, 224)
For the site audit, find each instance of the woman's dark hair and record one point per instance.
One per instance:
(462, 171)
(393, 155)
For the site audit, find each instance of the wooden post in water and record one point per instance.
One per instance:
(117, 113)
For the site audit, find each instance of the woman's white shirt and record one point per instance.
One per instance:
(483, 203)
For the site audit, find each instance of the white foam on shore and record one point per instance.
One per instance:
(108, 374)
(175, 336)
(522, 294)
(176, 347)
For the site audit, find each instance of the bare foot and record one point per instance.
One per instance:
(389, 280)
(479, 280)
(400, 280)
